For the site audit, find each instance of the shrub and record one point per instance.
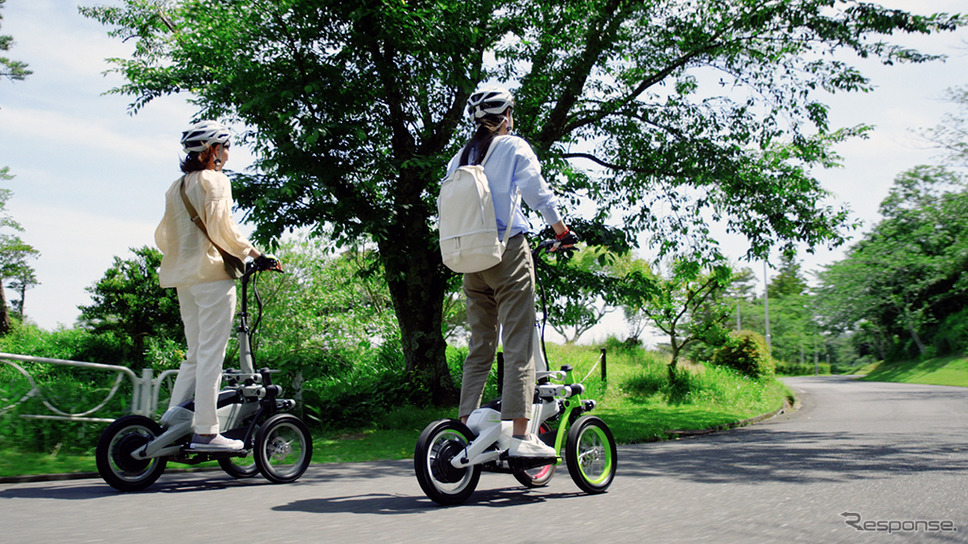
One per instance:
(647, 381)
(376, 385)
(746, 352)
(805, 369)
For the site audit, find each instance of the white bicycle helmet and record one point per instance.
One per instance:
(493, 100)
(204, 134)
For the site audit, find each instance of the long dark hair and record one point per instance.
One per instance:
(487, 128)
(192, 163)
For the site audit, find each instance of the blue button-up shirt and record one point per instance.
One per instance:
(511, 167)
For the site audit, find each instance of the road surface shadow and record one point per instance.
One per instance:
(394, 504)
(168, 483)
(757, 456)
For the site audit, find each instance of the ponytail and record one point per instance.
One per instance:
(487, 128)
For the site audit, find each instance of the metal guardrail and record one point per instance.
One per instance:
(145, 388)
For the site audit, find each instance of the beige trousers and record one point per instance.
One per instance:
(501, 298)
(207, 310)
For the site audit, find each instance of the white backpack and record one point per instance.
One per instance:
(466, 220)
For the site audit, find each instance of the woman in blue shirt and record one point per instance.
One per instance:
(501, 298)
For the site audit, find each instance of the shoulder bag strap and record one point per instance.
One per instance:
(196, 219)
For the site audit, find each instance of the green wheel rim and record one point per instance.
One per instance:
(594, 455)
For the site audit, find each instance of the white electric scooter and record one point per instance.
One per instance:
(450, 455)
(133, 450)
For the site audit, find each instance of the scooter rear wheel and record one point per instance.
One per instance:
(437, 445)
(239, 467)
(119, 440)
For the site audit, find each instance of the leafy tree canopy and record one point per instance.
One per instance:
(663, 114)
(129, 302)
(907, 275)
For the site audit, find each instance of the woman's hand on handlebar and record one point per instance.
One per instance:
(565, 242)
(268, 262)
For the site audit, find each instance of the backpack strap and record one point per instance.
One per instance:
(487, 155)
(514, 204)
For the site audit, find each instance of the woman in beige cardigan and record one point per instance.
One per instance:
(194, 267)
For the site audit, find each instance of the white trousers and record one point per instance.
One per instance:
(207, 310)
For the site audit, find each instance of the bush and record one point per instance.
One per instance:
(375, 386)
(649, 380)
(952, 334)
(746, 352)
(805, 369)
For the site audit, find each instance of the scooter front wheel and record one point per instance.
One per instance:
(440, 480)
(283, 448)
(591, 454)
(115, 447)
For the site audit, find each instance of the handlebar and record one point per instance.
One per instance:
(261, 264)
(551, 246)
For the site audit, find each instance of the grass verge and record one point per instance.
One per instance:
(952, 370)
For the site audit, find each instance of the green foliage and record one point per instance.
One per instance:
(579, 288)
(14, 255)
(353, 108)
(802, 369)
(746, 352)
(71, 390)
(70, 344)
(326, 312)
(687, 305)
(950, 370)
(370, 390)
(715, 398)
(899, 287)
(130, 305)
(900, 292)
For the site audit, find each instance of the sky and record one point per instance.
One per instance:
(90, 178)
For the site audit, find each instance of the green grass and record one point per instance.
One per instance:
(952, 370)
(638, 403)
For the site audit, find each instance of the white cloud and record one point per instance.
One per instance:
(76, 130)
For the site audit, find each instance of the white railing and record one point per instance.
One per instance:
(145, 388)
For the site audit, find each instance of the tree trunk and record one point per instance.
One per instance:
(4, 311)
(676, 348)
(417, 286)
(23, 297)
(912, 329)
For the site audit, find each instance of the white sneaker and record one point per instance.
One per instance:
(215, 443)
(531, 448)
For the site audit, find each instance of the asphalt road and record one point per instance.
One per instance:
(858, 462)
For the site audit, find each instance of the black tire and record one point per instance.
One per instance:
(239, 467)
(437, 445)
(538, 476)
(591, 454)
(283, 448)
(115, 446)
